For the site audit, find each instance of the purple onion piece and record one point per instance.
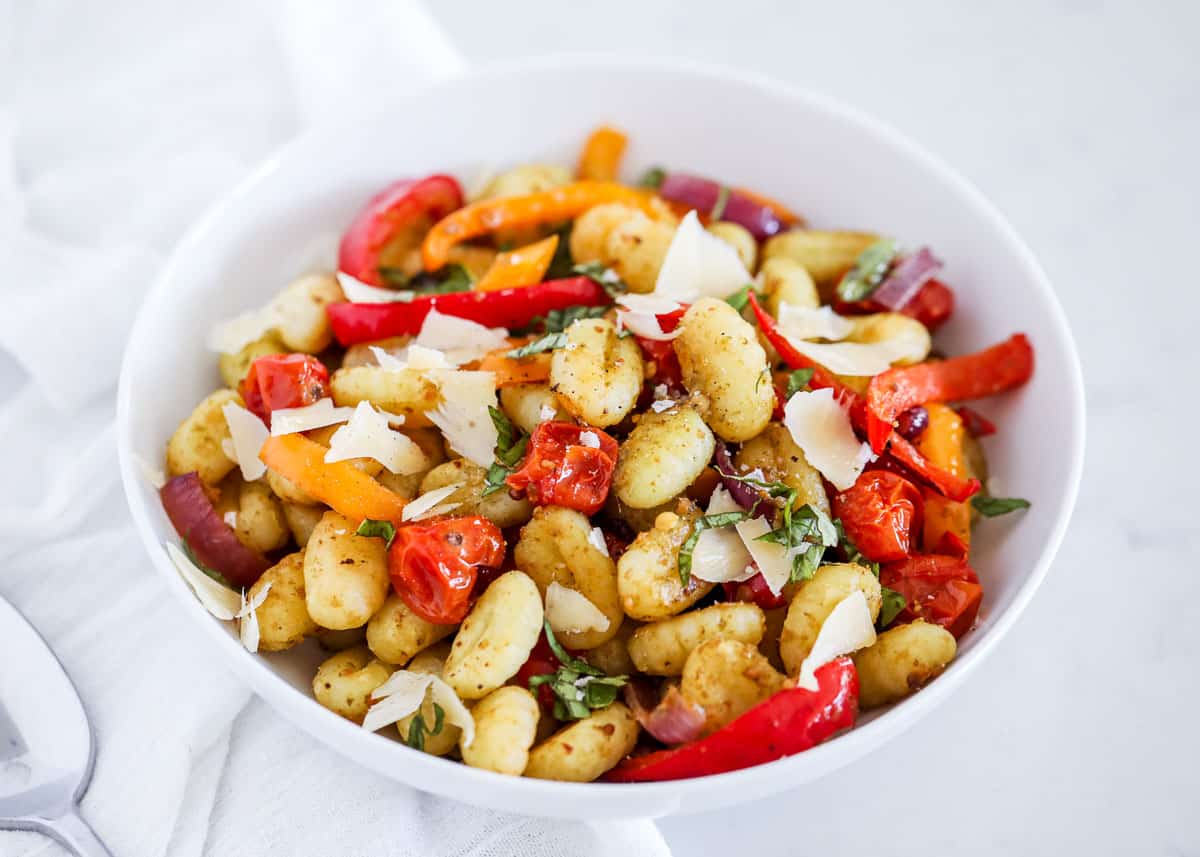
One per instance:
(912, 422)
(744, 495)
(702, 194)
(906, 279)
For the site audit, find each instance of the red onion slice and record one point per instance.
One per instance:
(704, 194)
(906, 279)
(744, 495)
(212, 540)
(672, 719)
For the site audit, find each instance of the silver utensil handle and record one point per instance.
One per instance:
(72, 831)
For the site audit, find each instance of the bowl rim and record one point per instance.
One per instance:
(542, 797)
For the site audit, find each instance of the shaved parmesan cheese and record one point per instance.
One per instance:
(651, 304)
(858, 358)
(153, 475)
(661, 405)
(218, 600)
(463, 414)
(358, 292)
(461, 339)
(230, 518)
(589, 439)
(367, 435)
(596, 539)
(234, 334)
(248, 630)
(699, 264)
(248, 434)
(846, 629)
(319, 414)
(802, 322)
(386, 360)
(404, 692)
(570, 611)
(426, 506)
(774, 561)
(645, 325)
(821, 427)
(548, 412)
(719, 555)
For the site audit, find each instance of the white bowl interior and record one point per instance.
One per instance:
(839, 169)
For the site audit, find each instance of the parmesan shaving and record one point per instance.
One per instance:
(218, 600)
(358, 292)
(645, 325)
(569, 611)
(846, 629)
(319, 414)
(415, 357)
(248, 630)
(461, 339)
(589, 439)
(463, 414)
(247, 435)
(368, 435)
(404, 692)
(858, 359)
(821, 428)
(647, 304)
(426, 505)
(234, 334)
(596, 540)
(719, 555)
(547, 412)
(774, 561)
(661, 405)
(801, 322)
(699, 264)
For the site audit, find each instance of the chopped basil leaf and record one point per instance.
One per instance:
(393, 276)
(707, 522)
(558, 320)
(893, 603)
(211, 572)
(740, 299)
(606, 278)
(510, 449)
(652, 178)
(545, 343)
(990, 507)
(452, 278)
(377, 529)
(798, 381)
(718, 209)
(869, 271)
(417, 729)
(579, 688)
(806, 532)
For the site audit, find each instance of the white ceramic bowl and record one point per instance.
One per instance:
(839, 168)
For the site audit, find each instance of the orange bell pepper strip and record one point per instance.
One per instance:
(511, 371)
(1003, 366)
(942, 444)
(549, 206)
(340, 485)
(521, 267)
(601, 156)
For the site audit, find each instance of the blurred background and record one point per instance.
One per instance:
(1080, 119)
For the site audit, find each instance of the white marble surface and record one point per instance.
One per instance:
(1081, 119)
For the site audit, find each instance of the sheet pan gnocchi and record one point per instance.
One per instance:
(581, 479)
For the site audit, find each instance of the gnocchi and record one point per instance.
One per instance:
(597, 375)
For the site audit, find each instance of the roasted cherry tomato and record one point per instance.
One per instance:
(541, 661)
(567, 465)
(662, 353)
(280, 381)
(880, 512)
(756, 591)
(943, 590)
(393, 222)
(434, 566)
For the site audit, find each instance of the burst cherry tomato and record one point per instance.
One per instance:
(880, 512)
(540, 662)
(434, 566)
(943, 590)
(280, 381)
(756, 591)
(567, 465)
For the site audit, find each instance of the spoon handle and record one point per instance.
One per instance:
(72, 831)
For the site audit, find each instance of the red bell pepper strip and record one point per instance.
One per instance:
(977, 424)
(985, 373)
(954, 487)
(387, 215)
(789, 722)
(517, 307)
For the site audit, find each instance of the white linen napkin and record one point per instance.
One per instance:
(125, 122)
